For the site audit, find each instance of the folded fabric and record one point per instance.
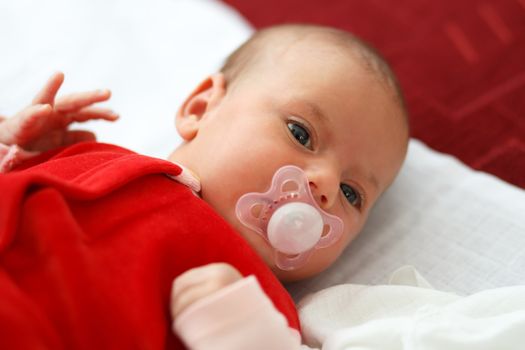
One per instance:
(410, 317)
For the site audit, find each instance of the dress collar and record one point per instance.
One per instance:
(188, 178)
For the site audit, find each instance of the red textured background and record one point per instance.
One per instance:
(461, 64)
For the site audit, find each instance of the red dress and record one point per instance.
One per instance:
(91, 238)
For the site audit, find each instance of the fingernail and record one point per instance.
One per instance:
(103, 92)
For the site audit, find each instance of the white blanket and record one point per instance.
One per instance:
(413, 316)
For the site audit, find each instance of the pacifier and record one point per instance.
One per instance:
(289, 219)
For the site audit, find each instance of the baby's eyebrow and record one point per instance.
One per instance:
(312, 109)
(316, 111)
(373, 180)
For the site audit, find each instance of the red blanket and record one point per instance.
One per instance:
(461, 64)
(91, 239)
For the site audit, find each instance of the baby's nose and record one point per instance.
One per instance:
(324, 191)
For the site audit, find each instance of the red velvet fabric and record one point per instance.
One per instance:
(91, 239)
(461, 64)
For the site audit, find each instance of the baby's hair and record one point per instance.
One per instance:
(261, 42)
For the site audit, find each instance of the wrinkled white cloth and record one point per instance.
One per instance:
(410, 315)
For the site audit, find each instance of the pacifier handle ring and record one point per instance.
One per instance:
(289, 263)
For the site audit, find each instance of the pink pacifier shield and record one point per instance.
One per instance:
(289, 218)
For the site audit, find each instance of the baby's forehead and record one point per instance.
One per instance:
(315, 54)
(273, 47)
(342, 55)
(289, 47)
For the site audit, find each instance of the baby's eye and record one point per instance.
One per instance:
(352, 196)
(300, 133)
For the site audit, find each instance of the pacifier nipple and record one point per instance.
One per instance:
(295, 228)
(288, 217)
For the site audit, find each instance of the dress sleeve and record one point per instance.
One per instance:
(11, 156)
(239, 316)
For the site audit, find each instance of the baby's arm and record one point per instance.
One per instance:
(44, 123)
(214, 307)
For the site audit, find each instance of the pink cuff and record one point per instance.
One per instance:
(239, 316)
(11, 156)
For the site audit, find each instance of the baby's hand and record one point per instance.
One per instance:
(200, 282)
(44, 124)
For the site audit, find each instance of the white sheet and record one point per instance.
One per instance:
(463, 230)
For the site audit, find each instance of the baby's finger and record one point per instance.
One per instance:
(91, 113)
(24, 125)
(50, 89)
(76, 101)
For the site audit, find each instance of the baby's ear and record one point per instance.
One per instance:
(203, 99)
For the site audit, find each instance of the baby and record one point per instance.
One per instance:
(313, 97)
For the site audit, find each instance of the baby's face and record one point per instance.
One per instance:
(321, 112)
